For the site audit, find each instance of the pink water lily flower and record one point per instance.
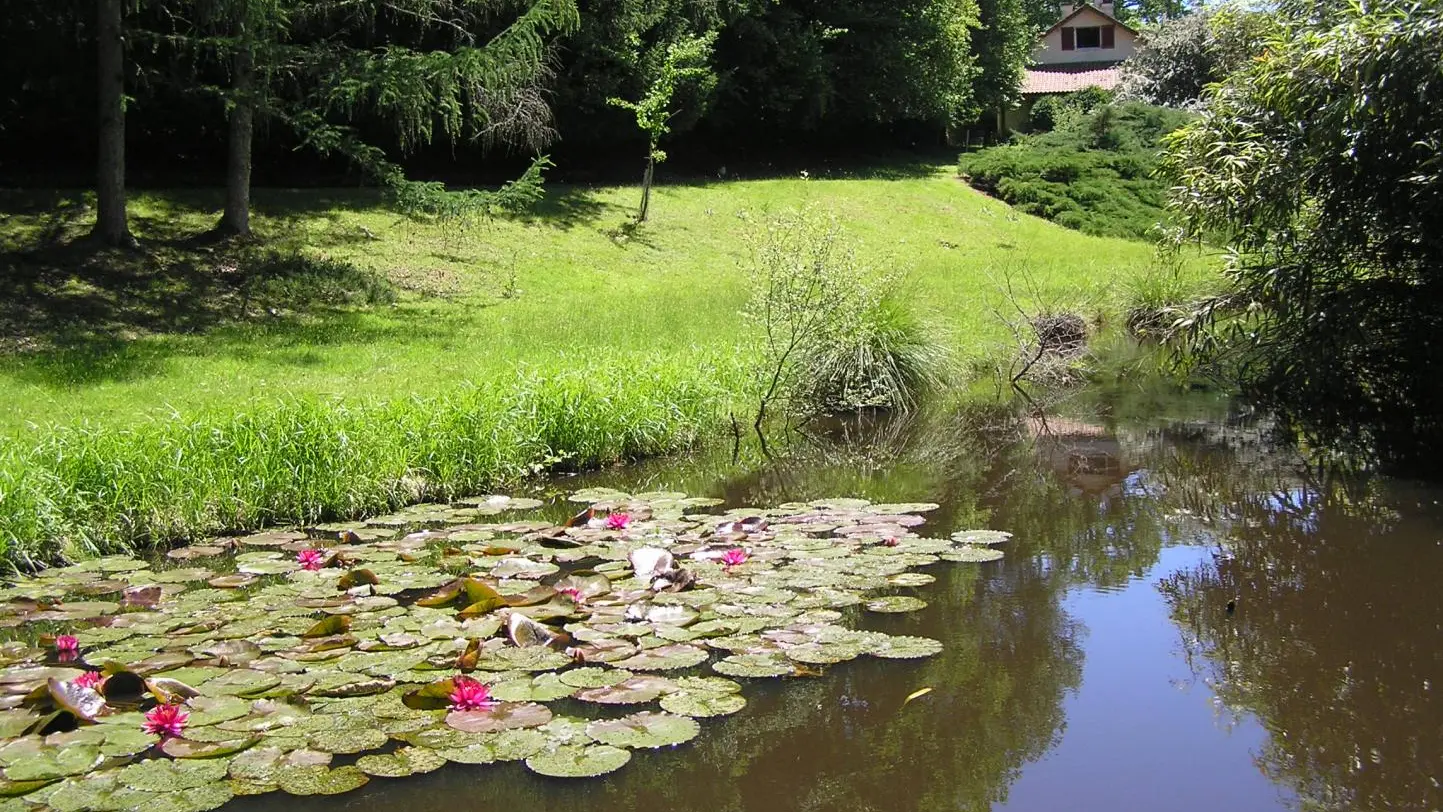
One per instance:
(311, 559)
(165, 720)
(67, 644)
(469, 694)
(617, 521)
(571, 592)
(90, 679)
(734, 556)
(889, 542)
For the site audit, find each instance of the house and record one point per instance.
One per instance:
(1083, 49)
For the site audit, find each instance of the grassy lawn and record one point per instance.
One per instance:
(578, 339)
(585, 292)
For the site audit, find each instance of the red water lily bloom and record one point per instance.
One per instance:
(571, 592)
(734, 556)
(67, 644)
(469, 694)
(165, 720)
(889, 542)
(89, 679)
(311, 559)
(617, 521)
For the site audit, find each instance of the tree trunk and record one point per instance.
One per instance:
(236, 220)
(646, 190)
(110, 222)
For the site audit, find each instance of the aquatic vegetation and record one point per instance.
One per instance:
(66, 644)
(465, 632)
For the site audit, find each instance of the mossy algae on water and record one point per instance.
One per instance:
(312, 661)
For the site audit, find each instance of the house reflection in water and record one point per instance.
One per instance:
(1088, 457)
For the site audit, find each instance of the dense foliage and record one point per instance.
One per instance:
(1320, 162)
(1094, 172)
(1181, 56)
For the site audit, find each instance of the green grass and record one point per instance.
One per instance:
(1094, 173)
(183, 392)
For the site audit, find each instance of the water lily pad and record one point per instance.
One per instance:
(632, 691)
(541, 688)
(312, 780)
(911, 579)
(895, 604)
(502, 716)
(404, 762)
(187, 748)
(579, 761)
(702, 704)
(353, 737)
(162, 775)
(986, 537)
(647, 729)
(971, 555)
(52, 762)
(665, 658)
(593, 677)
(232, 581)
(895, 647)
(241, 682)
(754, 665)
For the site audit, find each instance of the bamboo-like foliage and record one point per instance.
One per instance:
(1320, 164)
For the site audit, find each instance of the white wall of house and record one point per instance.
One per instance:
(1050, 52)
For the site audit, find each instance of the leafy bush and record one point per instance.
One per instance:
(1182, 56)
(1093, 173)
(1319, 165)
(884, 358)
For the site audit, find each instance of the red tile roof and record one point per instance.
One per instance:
(1061, 79)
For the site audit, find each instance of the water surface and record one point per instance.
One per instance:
(1184, 621)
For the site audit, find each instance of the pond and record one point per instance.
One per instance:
(1185, 619)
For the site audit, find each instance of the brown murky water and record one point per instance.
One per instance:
(1184, 621)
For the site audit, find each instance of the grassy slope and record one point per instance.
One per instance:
(626, 347)
(586, 295)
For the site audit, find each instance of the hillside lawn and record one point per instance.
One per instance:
(114, 363)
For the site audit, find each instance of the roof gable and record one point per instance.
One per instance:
(1094, 9)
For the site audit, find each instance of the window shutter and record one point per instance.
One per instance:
(1068, 43)
(1109, 39)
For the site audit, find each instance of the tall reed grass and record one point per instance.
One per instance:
(84, 490)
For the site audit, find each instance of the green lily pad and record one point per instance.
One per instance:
(186, 748)
(665, 658)
(647, 729)
(161, 775)
(971, 555)
(592, 677)
(895, 604)
(313, 780)
(50, 763)
(352, 738)
(702, 705)
(754, 665)
(579, 761)
(502, 716)
(985, 537)
(631, 691)
(894, 647)
(911, 579)
(404, 762)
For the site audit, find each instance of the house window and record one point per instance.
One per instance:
(1088, 37)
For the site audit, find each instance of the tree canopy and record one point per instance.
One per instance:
(1321, 165)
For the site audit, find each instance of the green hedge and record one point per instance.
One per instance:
(1093, 173)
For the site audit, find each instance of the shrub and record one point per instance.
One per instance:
(1093, 173)
(834, 336)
